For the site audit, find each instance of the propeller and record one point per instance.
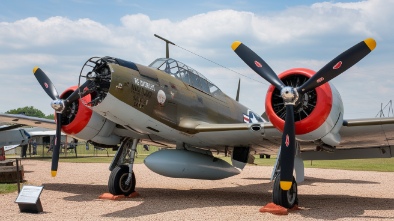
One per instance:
(339, 64)
(290, 95)
(257, 64)
(46, 83)
(59, 105)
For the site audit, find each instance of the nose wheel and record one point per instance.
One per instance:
(285, 198)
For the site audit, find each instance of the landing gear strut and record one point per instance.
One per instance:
(122, 179)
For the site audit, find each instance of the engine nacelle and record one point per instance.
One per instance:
(189, 164)
(318, 114)
(80, 121)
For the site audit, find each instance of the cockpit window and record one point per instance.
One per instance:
(157, 63)
(185, 74)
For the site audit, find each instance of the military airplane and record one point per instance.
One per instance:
(13, 135)
(118, 104)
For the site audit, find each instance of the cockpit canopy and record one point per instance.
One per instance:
(185, 74)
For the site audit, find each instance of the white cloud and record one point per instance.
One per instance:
(30, 32)
(305, 36)
(7, 62)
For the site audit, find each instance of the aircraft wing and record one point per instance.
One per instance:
(10, 127)
(27, 120)
(367, 132)
(360, 139)
(367, 138)
(261, 136)
(43, 133)
(195, 126)
(19, 120)
(10, 147)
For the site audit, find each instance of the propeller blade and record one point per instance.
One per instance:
(287, 150)
(56, 149)
(50, 89)
(45, 83)
(257, 64)
(339, 64)
(75, 95)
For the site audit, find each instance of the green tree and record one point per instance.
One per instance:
(50, 116)
(30, 111)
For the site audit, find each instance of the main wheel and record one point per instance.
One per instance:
(285, 198)
(117, 181)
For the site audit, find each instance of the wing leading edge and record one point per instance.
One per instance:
(27, 120)
(361, 139)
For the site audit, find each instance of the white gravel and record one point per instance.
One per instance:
(325, 195)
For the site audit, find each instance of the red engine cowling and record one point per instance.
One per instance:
(80, 121)
(318, 115)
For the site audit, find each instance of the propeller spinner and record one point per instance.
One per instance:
(291, 95)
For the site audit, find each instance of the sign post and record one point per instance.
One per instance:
(29, 199)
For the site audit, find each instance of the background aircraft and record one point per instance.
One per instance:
(13, 135)
(169, 104)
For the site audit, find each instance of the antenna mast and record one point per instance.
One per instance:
(167, 42)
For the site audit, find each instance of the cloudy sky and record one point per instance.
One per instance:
(59, 36)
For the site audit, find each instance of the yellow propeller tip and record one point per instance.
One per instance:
(235, 45)
(35, 69)
(371, 43)
(53, 173)
(285, 185)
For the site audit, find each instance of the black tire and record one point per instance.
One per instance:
(117, 179)
(285, 198)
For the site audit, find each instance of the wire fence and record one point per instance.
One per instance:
(80, 150)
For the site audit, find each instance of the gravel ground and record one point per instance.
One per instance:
(325, 195)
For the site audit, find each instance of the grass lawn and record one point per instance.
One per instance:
(8, 187)
(381, 164)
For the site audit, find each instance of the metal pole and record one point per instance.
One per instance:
(167, 51)
(17, 175)
(29, 148)
(75, 148)
(65, 147)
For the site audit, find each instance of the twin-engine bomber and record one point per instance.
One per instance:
(119, 104)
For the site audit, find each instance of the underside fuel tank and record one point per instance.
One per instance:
(188, 164)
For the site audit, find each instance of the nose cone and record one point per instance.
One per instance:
(58, 105)
(289, 94)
